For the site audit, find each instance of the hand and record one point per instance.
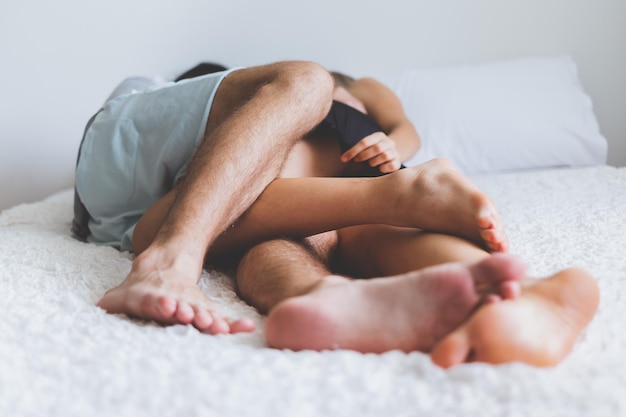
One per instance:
(378, 150)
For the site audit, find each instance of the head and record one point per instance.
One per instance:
(202, 68)
(342, 80)
(341, 92)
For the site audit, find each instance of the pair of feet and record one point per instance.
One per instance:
(486, 311)
(433, 197)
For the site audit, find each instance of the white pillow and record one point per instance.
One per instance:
(521, 114)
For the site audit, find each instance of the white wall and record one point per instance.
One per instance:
(60, 59)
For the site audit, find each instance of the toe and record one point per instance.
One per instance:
(242, 325)
(497, 269)
(454, 349)
(510, 290)
(184, 313)
(219, 326)
(164, 308)
(492, 298)
(486, 218)
(494, 239)
(202, 319)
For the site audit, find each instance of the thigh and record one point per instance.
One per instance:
(378, 250)
(315, 156)
(148, 225)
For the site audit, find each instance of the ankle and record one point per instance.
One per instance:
(393, 190)
(161, 258)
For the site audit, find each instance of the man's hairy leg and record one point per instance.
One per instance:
(279, 269)
(257, 116)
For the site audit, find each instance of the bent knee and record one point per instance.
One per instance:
(308, 80)
(324, 245)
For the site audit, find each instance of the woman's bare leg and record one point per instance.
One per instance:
(276, 270)
(432, 196)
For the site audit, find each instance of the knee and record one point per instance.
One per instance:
(246, 267)
(307, 81)
(323, 245)
(249, 274)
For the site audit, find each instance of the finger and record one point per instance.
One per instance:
(389, 167)
(374, 151)
(383, 157)
(384, 145)
(363, 144)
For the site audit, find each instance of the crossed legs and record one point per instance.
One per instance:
(299, 207)
(468, 310)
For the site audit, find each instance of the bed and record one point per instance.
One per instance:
(62, 356)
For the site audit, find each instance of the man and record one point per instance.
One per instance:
(222, 180)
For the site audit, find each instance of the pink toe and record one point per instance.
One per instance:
(492, 298)
(166, 307)
(454, 349)
(184, 313)
(494, 240)
(485, 219)
(242, 325)
(510, 290)
(203, 320)
(490, 235)
(219, 326)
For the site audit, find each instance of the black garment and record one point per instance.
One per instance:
(350, 125)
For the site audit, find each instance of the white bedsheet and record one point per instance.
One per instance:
(62, 356)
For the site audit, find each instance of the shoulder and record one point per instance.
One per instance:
(369, 88)
(366, 82)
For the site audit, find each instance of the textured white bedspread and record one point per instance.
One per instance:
(62, 356)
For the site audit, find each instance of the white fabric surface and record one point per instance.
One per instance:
(519, 114)
(62, 356)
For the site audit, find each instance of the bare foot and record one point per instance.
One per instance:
(408, 312)
(443, 200)
(168, 296)
(538, 328)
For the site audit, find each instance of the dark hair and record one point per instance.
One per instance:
(342, 80)
(202, 68)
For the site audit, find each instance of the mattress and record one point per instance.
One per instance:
(60, 355)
